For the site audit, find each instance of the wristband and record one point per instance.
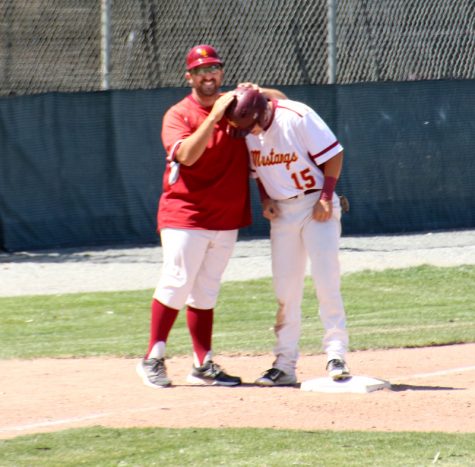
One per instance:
(328, 189)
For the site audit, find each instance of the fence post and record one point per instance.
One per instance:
(332, 60)
(105, 43)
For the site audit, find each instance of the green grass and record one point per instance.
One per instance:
(395, 308)
(236, 447)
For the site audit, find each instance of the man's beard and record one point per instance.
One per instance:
(207, 90)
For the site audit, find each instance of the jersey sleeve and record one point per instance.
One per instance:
(175, 129)
(319, 140)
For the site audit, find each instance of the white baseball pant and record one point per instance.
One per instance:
(193, 264)
(294, 237)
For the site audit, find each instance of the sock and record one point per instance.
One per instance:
(158, 350)
(200, 325)
(161, 323)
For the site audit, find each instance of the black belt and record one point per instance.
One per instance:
(306, 192)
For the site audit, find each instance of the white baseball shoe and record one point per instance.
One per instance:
(153, 373)
(337, 370)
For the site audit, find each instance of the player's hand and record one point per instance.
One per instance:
(270, 209)
(220, 106)
(268, 93)
(322, 210)
(249, 85)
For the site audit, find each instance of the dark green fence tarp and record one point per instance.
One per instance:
(85, 169)
(414, 142)
(80, 169)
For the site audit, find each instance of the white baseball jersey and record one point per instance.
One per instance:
(286, 156)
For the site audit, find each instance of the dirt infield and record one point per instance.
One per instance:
(433, 389)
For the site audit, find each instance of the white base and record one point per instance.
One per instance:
(356, 384)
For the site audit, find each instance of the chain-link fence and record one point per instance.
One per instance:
(88, 45)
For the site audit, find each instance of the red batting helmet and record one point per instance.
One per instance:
(248, 108)
(202, 55)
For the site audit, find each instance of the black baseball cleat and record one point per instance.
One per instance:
(337, 370)
(153, 373)
(211, 373)
(276, 377)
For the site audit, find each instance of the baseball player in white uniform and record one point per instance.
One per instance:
(297, 160)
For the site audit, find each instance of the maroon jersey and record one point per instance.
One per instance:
(213, 193)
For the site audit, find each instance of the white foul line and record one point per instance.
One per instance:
(66, 421)
(435, 373)
(63, 421)
(69, 421)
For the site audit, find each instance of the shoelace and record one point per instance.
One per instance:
(273, 374)
(336, 364)
(159, 368)
(214, 369)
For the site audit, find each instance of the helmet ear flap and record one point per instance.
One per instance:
(264, 117)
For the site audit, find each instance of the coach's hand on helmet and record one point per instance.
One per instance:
(220, 106)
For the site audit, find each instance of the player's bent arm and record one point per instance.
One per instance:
(270, 209)
(273, 93)
(193, 147)
(332, 167)
(270, 93)
(262, 191)
(323, 209)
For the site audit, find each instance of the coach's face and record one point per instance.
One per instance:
(205, 80)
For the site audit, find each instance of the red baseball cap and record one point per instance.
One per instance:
(202, 55)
